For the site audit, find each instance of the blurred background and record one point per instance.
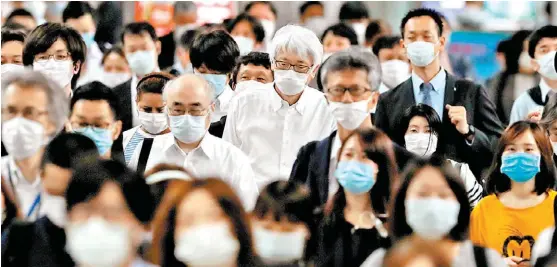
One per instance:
(477, 27)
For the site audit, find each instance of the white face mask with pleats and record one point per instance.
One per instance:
(350, 115)
(279, 247)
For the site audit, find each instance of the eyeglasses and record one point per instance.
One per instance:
(356, 91)
(57, 57)
(283, 65)
(193, 112)
(28, 113)
(98, 127)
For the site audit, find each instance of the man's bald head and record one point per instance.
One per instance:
(190, 83)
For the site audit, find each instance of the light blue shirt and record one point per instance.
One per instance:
(524, 104)
(437, 94)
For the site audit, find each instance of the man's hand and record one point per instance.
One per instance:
(534, 116)
(513, 260)
(457, 115)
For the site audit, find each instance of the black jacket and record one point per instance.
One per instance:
(168, 48)
(40, 244)
(480, 113)
(123, 91)
(312, 167)
(217, 127)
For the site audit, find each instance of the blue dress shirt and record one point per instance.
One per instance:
(437, 94)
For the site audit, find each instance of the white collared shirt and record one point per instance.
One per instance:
(213, 158)
(25, 192)
(524, 104)
(271, 132)
(132, 142)
(222, 103)
(333, 183)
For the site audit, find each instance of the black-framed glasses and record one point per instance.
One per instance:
(356, 91)
(283, 65)
(182, 111)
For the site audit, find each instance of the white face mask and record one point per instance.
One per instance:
(269, 28)
(317, 25)
(360, 29)
(421, 144)
(394, 72)
(153, 123)
(60, 72)
(97, 242)
(7, 69)
(350, 115)
(554, 144)
(188, 128)
(432, 217)
(22, 137)
(290, 82)
(244, 44)
(247, 85)
(421, 53)
(547, 66)
(524, 60)
(142, 62)
(207, 245)
(279, 247)
(112, 79)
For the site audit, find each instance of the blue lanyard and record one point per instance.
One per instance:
(36, 204)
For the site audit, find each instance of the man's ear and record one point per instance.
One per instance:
(535, 65)
(374, 99)
(158, 47)
(76, 67)
(442, 41)
(314, 71)
(117, 130)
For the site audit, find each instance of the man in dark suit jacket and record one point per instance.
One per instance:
(185, 17)
(470, 124)
(347, 77)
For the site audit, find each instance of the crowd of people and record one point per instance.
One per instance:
(238, 144)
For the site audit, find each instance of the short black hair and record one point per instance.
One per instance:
(97, 91)
(42, 38)
(307, 4)
(216, 50)
(385, 42)
(257, 27)
(398, 224)
(420, 110)
(254, 58)
(76, 9)
(12, 35)
(14, 26)
(271, 6)
(115, 49)
(373, 29)
(187, 38)
(342, 30)
(420, 12)
(138, 28)
(353, 10)
(19, 12)
(547, 31)
(68, 150)
(89, 179)
(153, 83)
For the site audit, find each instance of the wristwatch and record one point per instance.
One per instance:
(471, 131)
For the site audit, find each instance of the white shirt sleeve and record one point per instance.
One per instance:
(542, 247)
(229, 134)
(519, 110)
(473, 188)
(243, 179)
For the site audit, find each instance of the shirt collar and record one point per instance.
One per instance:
(277, 102)
(16, 177)
(544, 87)
(335, 147)
(206, 146)
(438, 81)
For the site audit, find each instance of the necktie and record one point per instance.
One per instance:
(426, 88)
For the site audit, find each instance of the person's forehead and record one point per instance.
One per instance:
(131, 39)
(524, 139)
(110, 195)
(253, 69)
(314, 10)
(58, 46)
(114, 58)
(421, 24)
(243, 25)
(17, 95)
(12, 47)
(385, 52)
(292, 57)
(330, 36)
(347, 77)
(92, 109)
(261, 11)
(547, 41)
(187, 94)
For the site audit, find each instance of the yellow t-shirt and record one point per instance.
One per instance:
(511, 232)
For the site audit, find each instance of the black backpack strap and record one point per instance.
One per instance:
(554, 238)
(536, 95)
(479, 256)
(144, 155)
(18, 241)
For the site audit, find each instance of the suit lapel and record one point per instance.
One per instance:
(407, 92)
(323, 156)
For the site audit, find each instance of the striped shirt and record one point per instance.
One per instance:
(473, 188)
(132, 145)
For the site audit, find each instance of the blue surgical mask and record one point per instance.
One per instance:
(187, 128)
(88, 38)
(142, 62)
(218, 81)
(354, 176)
(101, 137)
(520, 167)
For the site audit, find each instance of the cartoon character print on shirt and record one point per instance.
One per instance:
(519, 246)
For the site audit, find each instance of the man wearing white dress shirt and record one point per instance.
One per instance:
(271, 125)
(190, 104)
(34, 110)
